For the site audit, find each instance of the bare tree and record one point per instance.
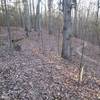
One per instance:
(84, 31)
(50, 2)
(26, 17)
(20, 13)
(97, 12)
(37, 17)
(97, 23)
(3, 14)
(75, 17)
(81, 67)
(33, 13)
(45, 21)
(8, 25)
(31, 19)
(67, 29)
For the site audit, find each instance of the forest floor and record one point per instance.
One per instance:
(38, 72)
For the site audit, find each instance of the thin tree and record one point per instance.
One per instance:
(97, 12)
(33, 13)
(20, 13)
(16, 3)
(81, 67)
(8, 25)
(75, 17)
(45, 15)
(67, 29)
(31, 19)
(37, 17)
(26, 17)
(41, 34)
(3, 14)
(50, 3)
(97, 23)
(59, 27)
(84, 31)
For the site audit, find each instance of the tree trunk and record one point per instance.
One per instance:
(33, 13)
(67, 29)
(26, 17)
(20, 14)
(8, 25)
(50, 16)
(45, 20)
(81, 68)
(37, 17)
(75, 18)
(30, 5)
(97, 22)
(3, 14)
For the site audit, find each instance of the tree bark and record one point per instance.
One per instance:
(8, 26)
(3, 14)
(33, 13)
(67, 29)
(20, 14)
(97, 22)
(75, 18)
(26, 17)
(31, 19)
(50, 16)
(37, 17)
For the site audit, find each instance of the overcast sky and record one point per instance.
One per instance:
(83, 4)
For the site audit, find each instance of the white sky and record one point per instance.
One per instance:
(84, 4)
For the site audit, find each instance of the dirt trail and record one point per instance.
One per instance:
(78, 50)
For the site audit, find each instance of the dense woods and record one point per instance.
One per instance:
(49, 50)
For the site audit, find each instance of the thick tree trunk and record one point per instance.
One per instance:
(67, 29)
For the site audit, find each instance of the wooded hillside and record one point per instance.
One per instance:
(49, 50)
